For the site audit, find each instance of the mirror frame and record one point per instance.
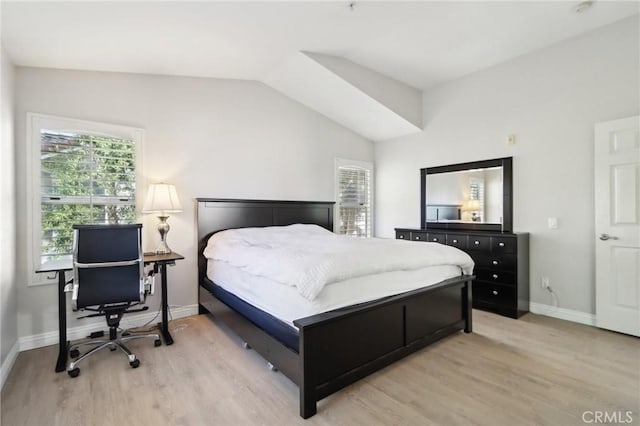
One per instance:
(507, 201)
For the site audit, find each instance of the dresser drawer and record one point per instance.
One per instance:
(419, 236)
(501, 277)
(502, 262)
(494, 293)
(503, 245)
(459, 241)
(501, 265)
(437, 237)
(403, 235)
(477, 242)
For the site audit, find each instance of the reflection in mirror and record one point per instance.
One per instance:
(468, 196)
(465, 196)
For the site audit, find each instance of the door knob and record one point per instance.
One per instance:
(605, 237)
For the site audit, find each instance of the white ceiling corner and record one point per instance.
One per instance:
(399, 97)
(372, 105)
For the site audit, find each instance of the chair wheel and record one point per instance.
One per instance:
(112, 348)
(74, 353)
(74, 373)
(135, 363)
(157, 343)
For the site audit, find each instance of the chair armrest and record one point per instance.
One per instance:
(69, 286)
(107, 264)
(149, 284)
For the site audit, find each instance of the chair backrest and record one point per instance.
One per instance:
(107, 265)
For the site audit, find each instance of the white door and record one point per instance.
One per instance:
(617, 209)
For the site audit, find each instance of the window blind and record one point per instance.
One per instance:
(354, 201)
(476, 192)
(84, 179)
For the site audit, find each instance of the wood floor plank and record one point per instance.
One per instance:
(532, 371)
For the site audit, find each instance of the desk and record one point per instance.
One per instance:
(159, 261)
(162, 260)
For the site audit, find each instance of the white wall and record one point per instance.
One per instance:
(211, 138)
(493, 196)
(447, 188)
(550, 100)
(8, 285)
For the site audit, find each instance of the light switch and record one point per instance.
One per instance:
(511, 140)
(553, 222)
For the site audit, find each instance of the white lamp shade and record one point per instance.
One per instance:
(471, 205)
(474, 204)
(162, 197)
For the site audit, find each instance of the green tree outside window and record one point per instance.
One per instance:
(84, 179)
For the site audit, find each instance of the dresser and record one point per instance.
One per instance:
(501, 265)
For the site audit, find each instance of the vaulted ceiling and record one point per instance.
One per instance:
(307, 50)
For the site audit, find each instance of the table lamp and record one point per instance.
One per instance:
(162, 199)
(473, 206)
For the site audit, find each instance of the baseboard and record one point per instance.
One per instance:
(562, 313)
(130, 321)
(7, 365)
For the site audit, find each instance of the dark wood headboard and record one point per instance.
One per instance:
(214, 214)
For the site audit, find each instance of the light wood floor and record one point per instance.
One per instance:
(533, 371)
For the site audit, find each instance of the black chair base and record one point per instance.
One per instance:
(116, 342)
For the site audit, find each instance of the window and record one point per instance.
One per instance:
(81, 173)
(354, 196)
(476, 192)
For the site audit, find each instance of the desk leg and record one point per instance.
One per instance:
(61, 364)
(168, 340)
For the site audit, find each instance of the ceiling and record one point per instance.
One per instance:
(361, 64)
(421, 44)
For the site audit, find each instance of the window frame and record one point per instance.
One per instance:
(366, 165)
(35, 123)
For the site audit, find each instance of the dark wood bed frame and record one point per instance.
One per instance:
(339, 347)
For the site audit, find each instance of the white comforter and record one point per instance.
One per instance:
(310, 257)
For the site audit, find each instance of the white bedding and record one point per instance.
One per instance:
(284, 302)
(310, 258)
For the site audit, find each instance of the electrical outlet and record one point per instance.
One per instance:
(544, 282)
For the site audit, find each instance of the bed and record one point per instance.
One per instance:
(333, 349)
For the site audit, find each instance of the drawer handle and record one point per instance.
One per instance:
(495, 293)
(476, 242)
(402, 237)
(455, 241)
(495, 276)
(495, 262)
(501, 244)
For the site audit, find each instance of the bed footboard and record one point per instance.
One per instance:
(338, 348)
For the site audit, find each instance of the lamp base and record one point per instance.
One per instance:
(163, 248)
(163, 229)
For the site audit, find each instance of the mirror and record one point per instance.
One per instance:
(475, 195)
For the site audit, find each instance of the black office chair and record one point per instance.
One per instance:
(109, 279)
